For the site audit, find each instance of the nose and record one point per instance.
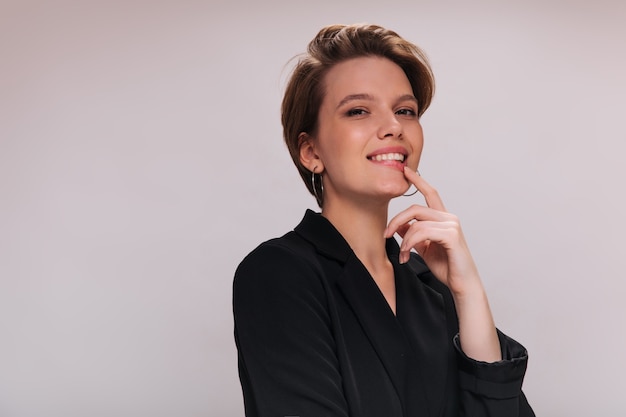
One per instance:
(390, 127)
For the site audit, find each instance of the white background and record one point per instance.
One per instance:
(141, 158)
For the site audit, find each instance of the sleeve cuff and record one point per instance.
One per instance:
(502, 379)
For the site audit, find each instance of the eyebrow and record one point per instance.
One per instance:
(352, 97)
(408, 97)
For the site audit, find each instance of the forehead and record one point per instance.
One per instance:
(375, 76)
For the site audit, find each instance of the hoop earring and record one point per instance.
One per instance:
(416, 190)
(317, 197)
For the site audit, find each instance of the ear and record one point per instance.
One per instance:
(308, 153)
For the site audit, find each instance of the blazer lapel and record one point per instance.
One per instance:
(420, 310)
(377, 320)
(367, 302)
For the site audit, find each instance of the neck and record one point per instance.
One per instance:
(362, 225)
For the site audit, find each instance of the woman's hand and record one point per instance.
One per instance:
(437, 236)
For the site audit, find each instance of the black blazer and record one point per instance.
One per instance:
(316, 337)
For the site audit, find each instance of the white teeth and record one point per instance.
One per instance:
(388, 157)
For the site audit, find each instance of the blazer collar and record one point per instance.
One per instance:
(361, 292)
(326, 239)
(383, 329)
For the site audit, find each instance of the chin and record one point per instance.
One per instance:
(390, 188)
(394, 192)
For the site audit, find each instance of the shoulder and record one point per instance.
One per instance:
(287, 251)
(284, 262)
(278, 282)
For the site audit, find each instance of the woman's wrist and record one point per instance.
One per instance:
(470, 287)
(477, 330)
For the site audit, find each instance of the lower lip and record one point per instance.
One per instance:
(391, 164)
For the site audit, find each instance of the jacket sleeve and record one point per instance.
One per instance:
(485, 389)
(494, 389)
(286, 350)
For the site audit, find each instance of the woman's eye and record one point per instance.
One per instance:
(356, 112)
(407, 112)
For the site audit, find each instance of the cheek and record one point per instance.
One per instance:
(417, 146)
(338, 142)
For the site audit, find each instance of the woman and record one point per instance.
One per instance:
(335, 318)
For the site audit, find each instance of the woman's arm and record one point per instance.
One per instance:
(287, 360)
(485, 389)
(438, 238)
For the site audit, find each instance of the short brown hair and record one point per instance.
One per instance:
(334, 44)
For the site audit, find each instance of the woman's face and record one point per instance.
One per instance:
(368, 130)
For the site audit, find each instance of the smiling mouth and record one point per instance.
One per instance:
(387, 157)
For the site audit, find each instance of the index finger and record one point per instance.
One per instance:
(430, 194)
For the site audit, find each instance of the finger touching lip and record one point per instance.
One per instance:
(413, 176)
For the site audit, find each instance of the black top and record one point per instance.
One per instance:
(316, 337)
